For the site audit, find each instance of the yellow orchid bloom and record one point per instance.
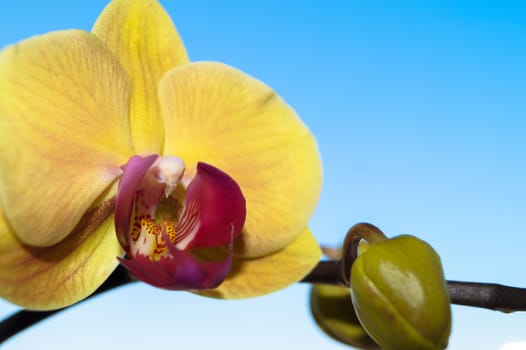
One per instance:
(113, 142)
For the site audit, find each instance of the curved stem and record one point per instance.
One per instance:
(23, 319)
(483, 295)
(334, 272)
(351, 246)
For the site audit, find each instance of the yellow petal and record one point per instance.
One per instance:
(259, 276)
(217, 114)
(147, 44)
(64, 131)
(58, 276)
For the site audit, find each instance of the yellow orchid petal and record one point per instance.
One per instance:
(147, 44)
(64, 131)
(58, 276)
(259, 276)
(219, 115)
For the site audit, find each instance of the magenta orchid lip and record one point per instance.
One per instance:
(160, 252)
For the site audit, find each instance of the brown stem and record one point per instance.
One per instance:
(23, 319)
(351, 245)
(333, 272)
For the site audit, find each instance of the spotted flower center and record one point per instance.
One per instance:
(150, 237)
(147, 236)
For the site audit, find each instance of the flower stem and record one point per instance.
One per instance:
(362, 231)
(488, 296)
(23, 319)
(483, 295)
(333, 272)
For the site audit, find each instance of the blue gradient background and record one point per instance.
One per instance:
(419, 110)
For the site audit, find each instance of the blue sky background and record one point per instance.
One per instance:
(419, 109)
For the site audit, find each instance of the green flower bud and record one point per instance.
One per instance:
(333, 311)
(400, 295)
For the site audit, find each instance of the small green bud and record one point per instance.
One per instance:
(333, 311)
(400, 295)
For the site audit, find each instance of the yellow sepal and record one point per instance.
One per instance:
(147, 44)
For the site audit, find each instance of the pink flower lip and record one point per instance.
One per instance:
(160, 253)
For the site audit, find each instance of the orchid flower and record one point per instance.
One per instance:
(115, 148)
